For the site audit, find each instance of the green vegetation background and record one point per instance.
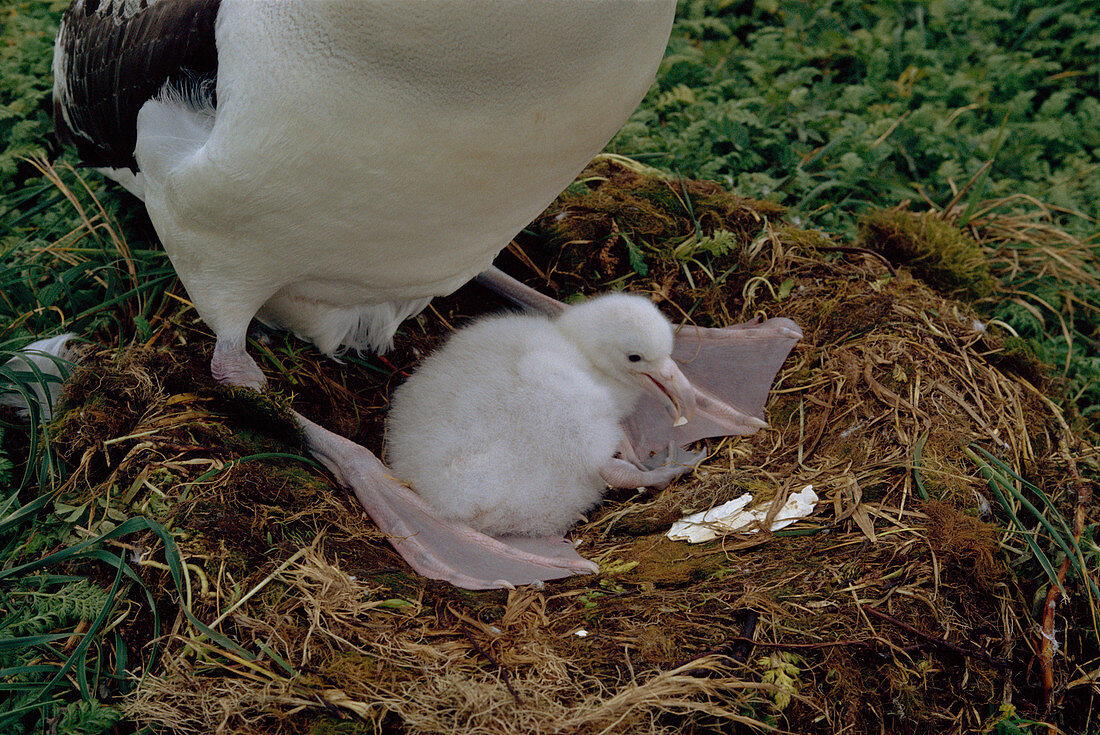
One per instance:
(833, 108)
(829, 108)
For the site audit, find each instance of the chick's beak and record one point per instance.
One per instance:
(666, 382)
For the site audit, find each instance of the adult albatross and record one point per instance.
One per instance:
(329, 166)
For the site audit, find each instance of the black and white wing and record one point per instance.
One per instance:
(111, 56)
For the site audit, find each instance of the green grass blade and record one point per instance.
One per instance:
(27, 641)
(917, 449)
(174, 560)
(1066, 542)
(1040, 557)
(8, 522)
(74, 551)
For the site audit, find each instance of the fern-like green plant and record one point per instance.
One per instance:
(87, 718)
(38, 612)
(781, 669)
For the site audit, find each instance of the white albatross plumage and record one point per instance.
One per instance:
(329, 166)
(512, 425)
(364, 156)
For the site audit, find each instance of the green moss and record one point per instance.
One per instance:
(935, 251)
(398, 583)
(269, 412)
(655, 211)
(841, 319)
(326, 725)
(797, 238)
(782, 411)
(662, 194)
(1019, 357)
(645, 523)
(666, 563)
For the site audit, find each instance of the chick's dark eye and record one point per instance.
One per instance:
(634, 358)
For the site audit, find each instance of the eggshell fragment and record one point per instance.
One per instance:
(732, 517)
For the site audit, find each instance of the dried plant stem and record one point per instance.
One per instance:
(1050, 606)
(505, 677)
(862, 251)
(936, 641)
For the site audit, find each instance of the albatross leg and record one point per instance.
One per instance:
(433, 546)
(518, 293)
(232, 365)
(731, 369)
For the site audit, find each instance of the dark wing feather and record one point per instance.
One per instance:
(117, 54)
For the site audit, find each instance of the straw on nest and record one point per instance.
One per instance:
(886, 610)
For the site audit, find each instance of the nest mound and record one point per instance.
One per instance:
(904, 603)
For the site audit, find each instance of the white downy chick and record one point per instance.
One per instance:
(510, 427)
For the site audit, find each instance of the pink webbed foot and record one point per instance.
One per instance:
(623, 473)
(731, 370)
(433, 546)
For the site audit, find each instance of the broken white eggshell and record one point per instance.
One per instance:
(732, 516)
